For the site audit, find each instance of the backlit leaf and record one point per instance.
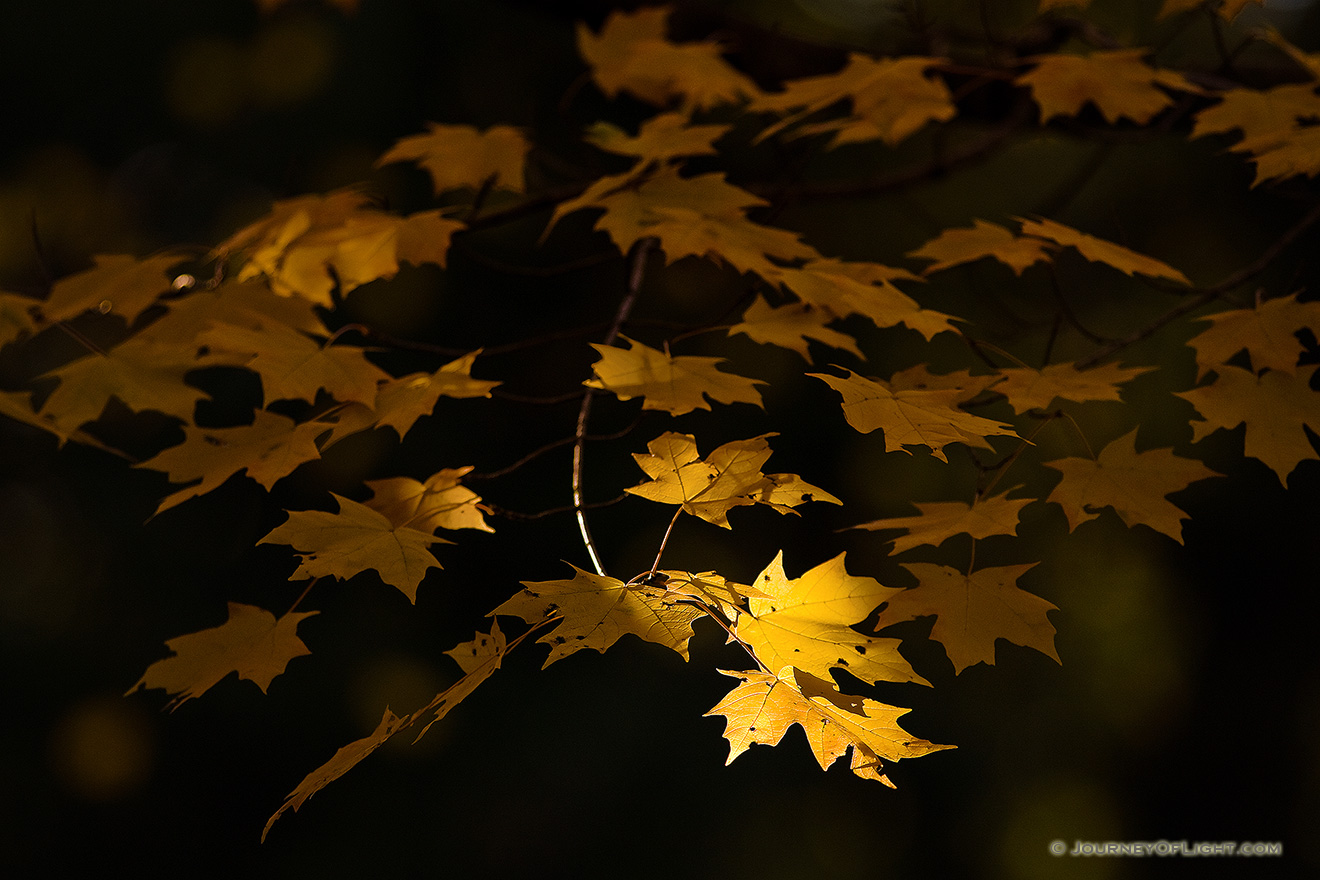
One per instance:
(1268, 332)
(676, 384)
(252, 643)
(1117, 82)
(940, 520)
(458, 156)
(972, 611)
(1028, 389)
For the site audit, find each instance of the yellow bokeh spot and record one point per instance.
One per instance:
(102, 749)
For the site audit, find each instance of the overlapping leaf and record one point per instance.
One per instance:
(940, 520)
(891, 99)
(1117, 82)
(458, 156)
(633, 54)
(267, 450)
(807, 622)
(676, 384)
(729, 477)
(439, 502)
(353, 540)
(1098, 250)
(1028, 389)
(1133, 483)
(790, 326)
(140, 376)
(598, 610)
(1275, 406)
(252, 643)
(1268, 332)
(764, 706)
(117, 284)
(912, 417)
(972, 611)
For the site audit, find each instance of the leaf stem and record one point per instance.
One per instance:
(665, 539)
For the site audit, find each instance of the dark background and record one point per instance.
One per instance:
(1188, 703)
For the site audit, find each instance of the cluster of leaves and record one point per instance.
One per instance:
(148, 329)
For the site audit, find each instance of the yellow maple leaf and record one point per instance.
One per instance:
(1275, 406)
(1097, 250)
(806, 622)
(141, 376)
(250, 304)
(972, 611)
(306, 245)
(267, 450)
(765, 705)
(117, 284)
(844, 288)
(912, 417)
(458, 156)
(676, 384)
(1118, 82)
(478, 658)
(252, 643)
(1028, 389)
(661, 138)
(597, 610)
(441, 502)
(401, 401)
(940, 520)
(892, 98)
(17, 405)
(294, 367)
(702, 216)
(1133, 483)
(729, 477)
(953, 247)
(632, 54)
(790, 326)
(1268, 332)
(1284, 154)
(1258, 113)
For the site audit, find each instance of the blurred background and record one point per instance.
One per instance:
(1188, 703)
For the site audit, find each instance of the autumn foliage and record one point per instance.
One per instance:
(267, 302)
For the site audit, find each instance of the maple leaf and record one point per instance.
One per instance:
(940, 520)
(1028, 389)
(929, 417)
(790, 326)
(1118, 82)
(16, 316)
(972, 610)
(1284, 154)
(441, 502)
(142, 377)
(294, 367)
(920, 378)
(252, 642)
(117, 284)
(1133, 483)
(1268, 332)
(660, 138)
(729, 477)
(842, 289)
(267, 450)
(1259, 113)
(702, 216)
(953, 247)
(1097, 250)
(401, 401)
(458, 156)
(251, 304)
(892, 98)
(631, 54)
(478, 658)
(345, 759)
(675, 384)
(706, 587)
(764, 706)
(307, 245)
(597, 610)
(1275, 406)
(806, 622)
(355, 539)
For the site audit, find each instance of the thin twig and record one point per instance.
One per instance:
(527, 517)
(665, 540)
(636, 272)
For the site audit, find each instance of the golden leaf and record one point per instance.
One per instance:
(251, 643)
(940, 520)
(675, 384)
(1133, 483)
(1118, 82)
(973, 610)
(458, 156)
(1268, 332)
(953, 247)
(1028, 389)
